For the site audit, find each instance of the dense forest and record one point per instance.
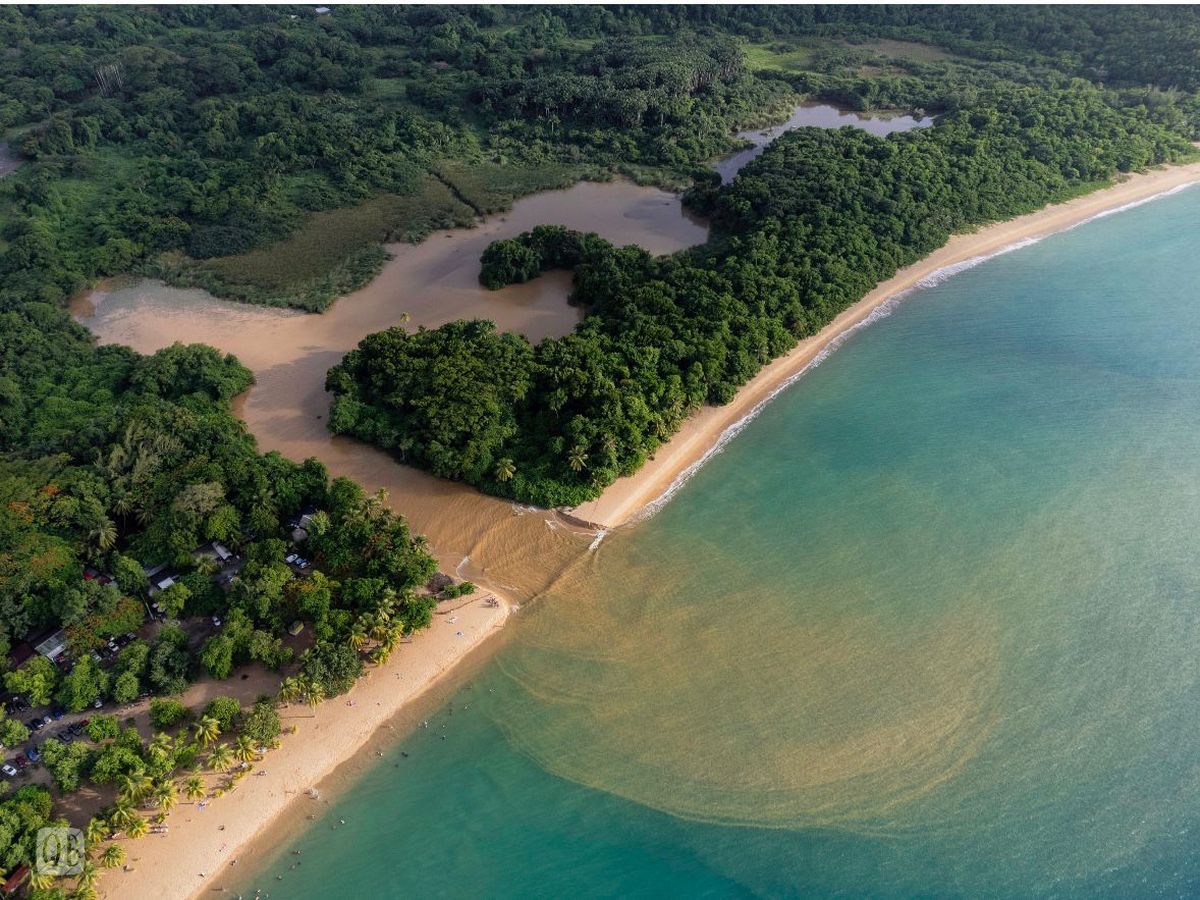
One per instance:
(802, 232)
(267, 153)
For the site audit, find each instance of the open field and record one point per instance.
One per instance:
(334, 251)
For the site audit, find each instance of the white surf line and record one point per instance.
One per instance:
(934, 278)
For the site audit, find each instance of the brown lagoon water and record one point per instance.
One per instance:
(817, 115)
(434, 282)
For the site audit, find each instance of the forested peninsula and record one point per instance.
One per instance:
(803, 232)
(267, 154)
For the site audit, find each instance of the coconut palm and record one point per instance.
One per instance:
(123, 812)
(41, 881)
(87, 875)
(103, 534)
(220, 758)
(207, 729)
(166, 796)
(358, 637)
(161, 743)
(314, 692)
(289, 690)
(243, 750)
(505, 469)
(193, 788)
(135, 786)
(137, 828)
(112, 856)
(577, 459)
(95, 832)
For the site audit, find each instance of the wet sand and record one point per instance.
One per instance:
(704, 433)
(197, 856)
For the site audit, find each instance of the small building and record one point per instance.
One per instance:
(52, 647)
(162, 584)
(214, 551)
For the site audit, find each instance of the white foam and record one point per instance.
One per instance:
(600, 535)
(1131, 205)
(938, 276)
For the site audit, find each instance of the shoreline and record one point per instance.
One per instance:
(196, 857)
(705, 432)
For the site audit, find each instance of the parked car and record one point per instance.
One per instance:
(97, 703)
(57, 713)
(36, 724)
(8, 770)
(216, 620)
(76, 728)
(21, 762)
(34, 754)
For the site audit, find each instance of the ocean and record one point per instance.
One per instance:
(929, 626)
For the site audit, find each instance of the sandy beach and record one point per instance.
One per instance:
(239, 824)
(703, 433)
(197, 856)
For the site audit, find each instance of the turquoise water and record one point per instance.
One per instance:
(930, 626)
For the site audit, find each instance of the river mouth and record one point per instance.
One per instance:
(428, 284)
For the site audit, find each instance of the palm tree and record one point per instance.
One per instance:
(161, 745)
(41, 881)
(123, 812)
(96, 829)
(221, 758)
(577, 460)
(87, 876)
(505, 469)
(314, 692)
(193, 788)
(103, 534)
(112, 856)
(207, 729)
(358, 637)
(135, 787)
(166, 796)
(137, 828)
(289, 690)
(243, 750)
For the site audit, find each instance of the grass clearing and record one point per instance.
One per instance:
(779, 57)
(893, 49)
(334, 251)
(490, 187)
